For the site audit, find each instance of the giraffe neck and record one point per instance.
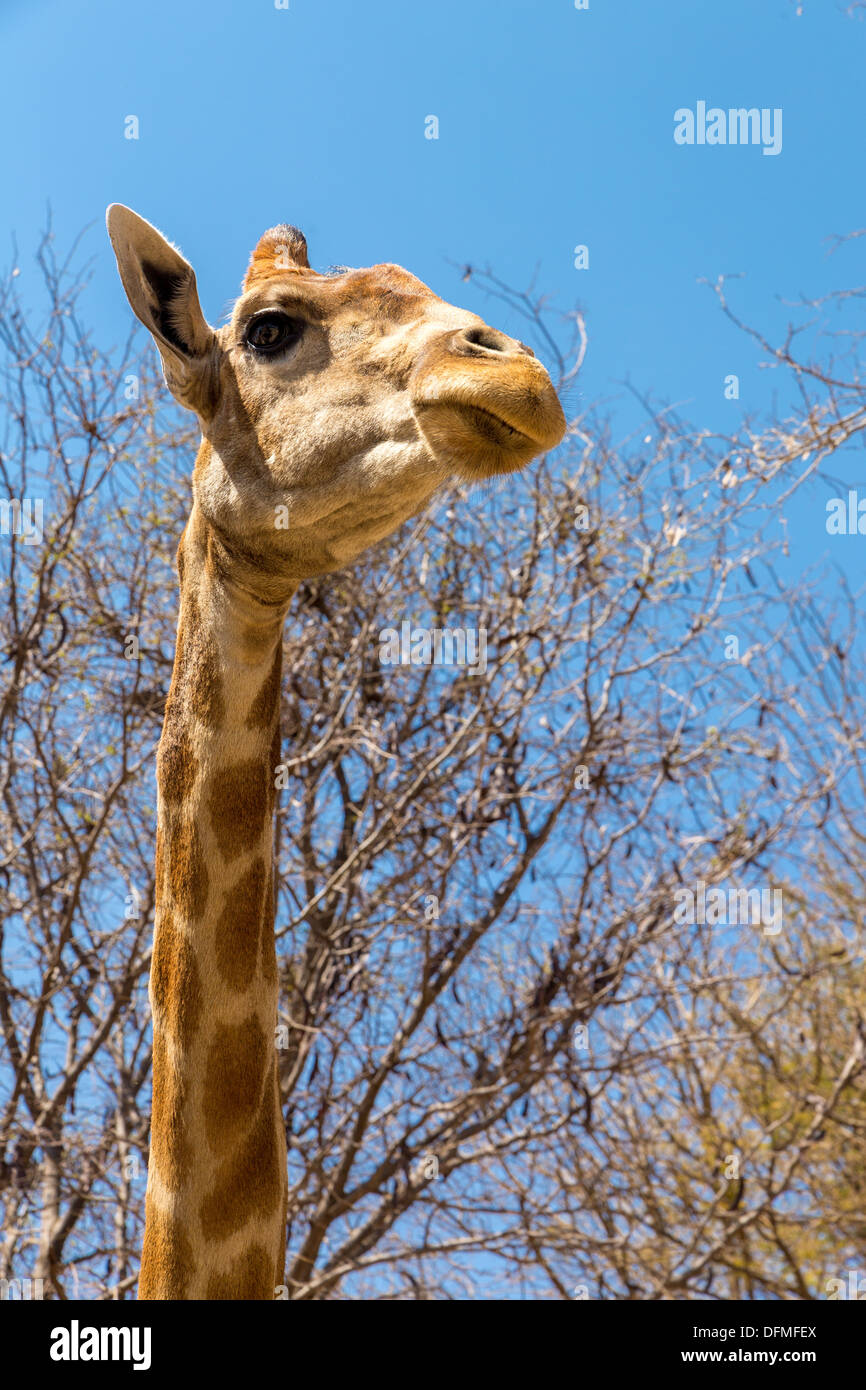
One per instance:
(216, 1195)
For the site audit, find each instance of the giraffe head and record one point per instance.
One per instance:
(331, 406)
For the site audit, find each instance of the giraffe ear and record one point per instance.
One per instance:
(160, 286)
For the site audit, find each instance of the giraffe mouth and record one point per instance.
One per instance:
(493, 427)
(464, 426)
(499, 433)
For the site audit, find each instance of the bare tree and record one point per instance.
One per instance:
(508, 1066)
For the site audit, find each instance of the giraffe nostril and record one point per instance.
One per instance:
(488, 338)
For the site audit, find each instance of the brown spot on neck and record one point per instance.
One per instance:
(176, 764)
(250, 1184)
(236, 936)
(269, 944)
(264, 708)
(251, 1276)
(234, 1076)
(167, 1263)
(175, 983)
(197, 666)
(171, 1150)
(239, 807)
(160, 869)
(187, 871)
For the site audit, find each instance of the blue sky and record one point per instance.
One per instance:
(555, 128)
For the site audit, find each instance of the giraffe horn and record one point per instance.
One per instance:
(281, 248)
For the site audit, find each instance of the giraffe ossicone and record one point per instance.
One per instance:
(339, 403)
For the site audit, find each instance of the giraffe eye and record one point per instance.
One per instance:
(273, 332)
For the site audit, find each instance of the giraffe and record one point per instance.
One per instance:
(331, 407)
